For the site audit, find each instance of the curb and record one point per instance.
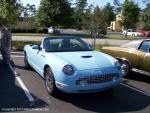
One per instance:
(17, 53)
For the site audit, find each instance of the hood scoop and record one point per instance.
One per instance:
(87, 56)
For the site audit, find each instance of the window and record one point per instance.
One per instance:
(145, 46)
(129, 30)
(65, 44)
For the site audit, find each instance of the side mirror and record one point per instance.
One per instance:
(39, 48)
(35, 47)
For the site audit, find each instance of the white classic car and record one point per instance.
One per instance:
(131, 32)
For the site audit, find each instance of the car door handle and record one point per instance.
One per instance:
(43, 55)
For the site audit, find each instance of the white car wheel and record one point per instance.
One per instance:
(50, 81)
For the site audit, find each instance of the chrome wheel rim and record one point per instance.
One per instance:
(49, 81)
(125, 68)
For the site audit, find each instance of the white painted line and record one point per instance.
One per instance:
(140, 91)
(16, 56)
(26, 91)
(141, 71)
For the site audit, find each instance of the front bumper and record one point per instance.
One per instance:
(83, 82)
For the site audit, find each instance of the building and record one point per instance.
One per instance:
(116, 25)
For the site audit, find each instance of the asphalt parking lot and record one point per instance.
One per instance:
(25, 91)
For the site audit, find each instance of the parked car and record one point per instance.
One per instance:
(134, 54)
(70, 65)
(53, 30)
(145, 33)
(131, 32)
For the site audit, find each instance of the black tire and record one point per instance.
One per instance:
(50, 81)
(126, 67)
(26, 63)
(133, 35)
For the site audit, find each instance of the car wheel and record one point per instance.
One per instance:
(126, 68)
(133, 35)
(26, 63)
(50, 81)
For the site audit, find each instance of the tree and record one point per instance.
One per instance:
(28, 14)
(54, 12)
(81, 5)
(80, 13)
(29, 10)
(87, 17)
(9, 10)
(144, 22)
(108, 13)
(130, 14)
(99, 21)
(146, 2)
(117, 6)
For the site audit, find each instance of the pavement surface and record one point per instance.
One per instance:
(98, 41)
(18, 89)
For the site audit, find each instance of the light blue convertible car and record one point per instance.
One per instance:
(70, 65)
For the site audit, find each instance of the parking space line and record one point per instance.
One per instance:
(136, 89)
(22, 85)
(26, 91)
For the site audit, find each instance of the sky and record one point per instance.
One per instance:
(100, 3)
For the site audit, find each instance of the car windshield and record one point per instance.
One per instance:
(65, 44)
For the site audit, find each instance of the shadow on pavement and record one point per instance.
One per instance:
(12, 97)
(139, 77)
(120, 99)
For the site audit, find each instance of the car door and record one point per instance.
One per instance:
(145, 59)
(129, 32)
(40, 61)
(34, 56)
(32, 53)
(40, 58)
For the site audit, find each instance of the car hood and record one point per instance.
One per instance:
(87, 60)
(115, 49)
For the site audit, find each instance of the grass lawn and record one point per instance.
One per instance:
(121, 37)
(43, 35)
(29, 34)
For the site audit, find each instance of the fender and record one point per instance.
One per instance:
(124, 60)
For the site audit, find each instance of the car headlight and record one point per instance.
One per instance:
(117, 64)
(68, 70)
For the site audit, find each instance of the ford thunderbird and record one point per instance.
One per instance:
(70, 65)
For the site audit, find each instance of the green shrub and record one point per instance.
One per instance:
(19, 45)
(34, 30)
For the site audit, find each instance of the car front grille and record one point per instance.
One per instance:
(96, 79)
